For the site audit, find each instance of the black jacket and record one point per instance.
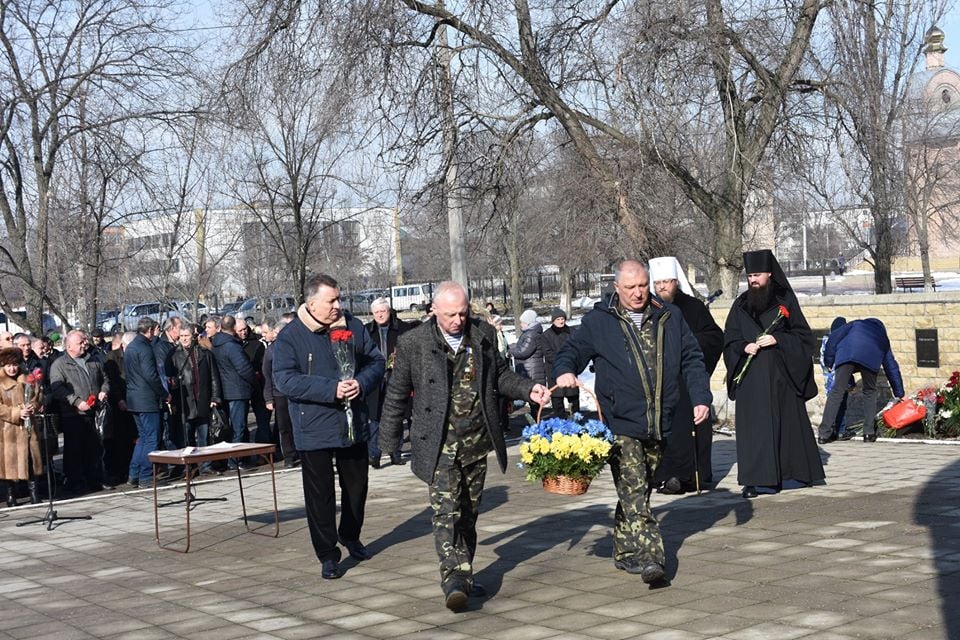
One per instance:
(552, 340)
(395, 328)
(193, 394)
(421, 368)
(113, 369)
(528, 354)
(619, 384)
(237, 376)
(145, 392)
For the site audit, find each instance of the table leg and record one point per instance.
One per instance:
(156, 510)
(243, 503)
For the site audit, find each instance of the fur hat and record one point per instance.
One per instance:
(10, 355)
(557, 313)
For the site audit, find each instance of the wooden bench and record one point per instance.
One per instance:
(913, 282)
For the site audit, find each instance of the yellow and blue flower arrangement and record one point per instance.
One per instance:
(571, 448)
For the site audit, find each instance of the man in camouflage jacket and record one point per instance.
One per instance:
(451, 365)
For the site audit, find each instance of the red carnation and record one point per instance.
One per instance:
(35, 376)
(341, 335)
(91, 400)
(784, 311)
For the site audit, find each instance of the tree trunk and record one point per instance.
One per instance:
(728, 253)
(513, 259)
(451, 178)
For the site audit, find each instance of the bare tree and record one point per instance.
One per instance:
(874, 48)
(116, 56)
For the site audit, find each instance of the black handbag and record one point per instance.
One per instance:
(218, 426)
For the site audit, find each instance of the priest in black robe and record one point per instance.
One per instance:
(689, 447)
(776, 447)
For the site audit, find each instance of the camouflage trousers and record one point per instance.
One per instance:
(455, 493)
(636, 531)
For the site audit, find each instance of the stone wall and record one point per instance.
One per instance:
(902, 313)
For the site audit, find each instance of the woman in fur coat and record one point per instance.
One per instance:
(19, 446)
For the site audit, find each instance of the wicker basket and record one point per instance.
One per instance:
(566, 486)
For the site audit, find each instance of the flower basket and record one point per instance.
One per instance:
(564, 455)
(566, 486)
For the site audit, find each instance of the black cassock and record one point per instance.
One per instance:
(775, 441)
(678, 455)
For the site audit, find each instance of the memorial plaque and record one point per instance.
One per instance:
(928, 348)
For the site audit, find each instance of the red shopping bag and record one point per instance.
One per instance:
(904, 413)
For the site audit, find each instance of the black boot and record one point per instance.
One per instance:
(11, 501)
(34, 496)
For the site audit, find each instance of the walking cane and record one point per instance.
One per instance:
(696, 459)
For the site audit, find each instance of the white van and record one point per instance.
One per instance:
(412, 297)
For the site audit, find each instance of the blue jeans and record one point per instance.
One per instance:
(238, 410)
(200, 440)
(148, 439)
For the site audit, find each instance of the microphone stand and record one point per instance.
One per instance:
(51, 515)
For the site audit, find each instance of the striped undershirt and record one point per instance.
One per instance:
(637, 318)
(453, 341)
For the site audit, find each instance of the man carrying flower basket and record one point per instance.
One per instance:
(456, 374)
(641, 347)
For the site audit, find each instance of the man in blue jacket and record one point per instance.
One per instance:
(640, 347)
(237, 377)
(325, 363)
(145, 398)
(861, 346)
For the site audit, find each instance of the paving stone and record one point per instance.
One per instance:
(832, 563)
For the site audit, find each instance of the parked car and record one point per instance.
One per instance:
(413, 297)
(229, 308)
(159, 311)
(15, 324)
(109, 321)
(267, 309)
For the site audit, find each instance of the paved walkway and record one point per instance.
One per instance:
(874, 554)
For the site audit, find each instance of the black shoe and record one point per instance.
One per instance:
(846, 435)
(629, 564)
(32, 488)
(827, 440)
(11, 500)
(375, 462)
(672, 487)
(749, 492)
(869, 437)
(397, 460)
(331, 570)
(652, 572)
(356, 550)
(477, 590)
(290, 463)
(133, 482)
(456, 597)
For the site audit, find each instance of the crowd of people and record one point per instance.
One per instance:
(335, 395)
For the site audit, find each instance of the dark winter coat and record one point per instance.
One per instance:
(256, 351)
(305, 370)
(865, 344)
(72, 382)
(237, 376)
(552, 340)
(527, 352)
(145, 392)
(395, 328)
(113, 369)
(619, 385)
(193, 394)
(421, 368)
